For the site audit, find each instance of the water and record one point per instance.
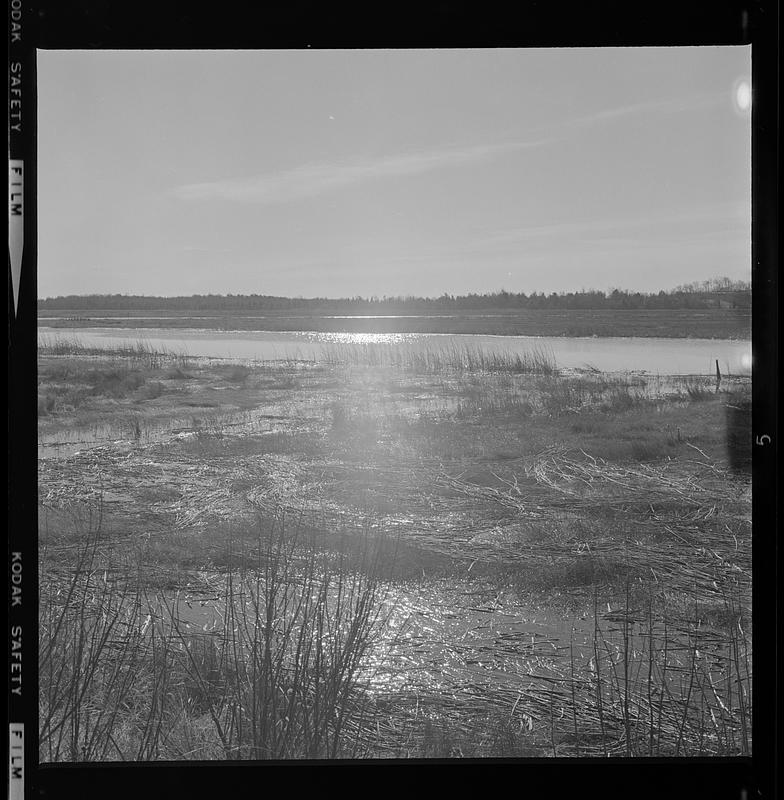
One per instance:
(435, 636)
(445, 635)
(612, 354)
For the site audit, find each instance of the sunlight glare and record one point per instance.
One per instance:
(743, 96)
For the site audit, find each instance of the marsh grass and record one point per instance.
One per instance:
(206, 441)
(698, 393)
(239, 373)
(613, 394)
(46, 403)
(70, 385)
(86, 373)
(659, 684)
(139, 353)
(429, 361)
(123, 676)
(553, 395)
(566, 491)
(638, 678)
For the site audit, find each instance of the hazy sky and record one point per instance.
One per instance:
(337, 173)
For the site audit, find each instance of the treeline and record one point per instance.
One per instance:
(686, 297)
(712, 285)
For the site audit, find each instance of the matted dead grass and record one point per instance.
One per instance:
(614, 502)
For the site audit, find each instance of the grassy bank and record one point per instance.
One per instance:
(390, 555)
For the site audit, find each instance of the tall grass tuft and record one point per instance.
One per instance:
(659, 685)
(429, 360)
(139, 353)
(125, 676)
(103, 669)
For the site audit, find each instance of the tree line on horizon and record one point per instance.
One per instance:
(698, 295)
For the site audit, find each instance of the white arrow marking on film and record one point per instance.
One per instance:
(15, 222)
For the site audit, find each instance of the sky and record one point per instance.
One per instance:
(392, 172)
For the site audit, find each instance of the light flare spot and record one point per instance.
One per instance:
(743, 95)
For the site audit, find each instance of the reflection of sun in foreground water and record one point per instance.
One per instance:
(745, 361)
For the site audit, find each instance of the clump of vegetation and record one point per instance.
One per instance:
(46, 404)
(239, 373)
(615, 394)
(142, 353)
(698, 392)
(115, 383)
(151, 390)
(176, 373)
(124, 676)
(651, 689)
(436, 361)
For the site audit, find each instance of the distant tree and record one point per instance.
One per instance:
(687, 296)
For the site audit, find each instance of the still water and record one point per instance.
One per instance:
(656, 356)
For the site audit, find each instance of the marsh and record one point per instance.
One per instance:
(496, 556)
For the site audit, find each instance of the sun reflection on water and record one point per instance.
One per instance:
(344, 337)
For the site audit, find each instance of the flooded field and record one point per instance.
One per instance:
(425, 559)
(687, 323)
(662, 356)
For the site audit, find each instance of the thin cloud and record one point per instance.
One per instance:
(669, 106)
(198, 249)
(311, 180)
(718, 215)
